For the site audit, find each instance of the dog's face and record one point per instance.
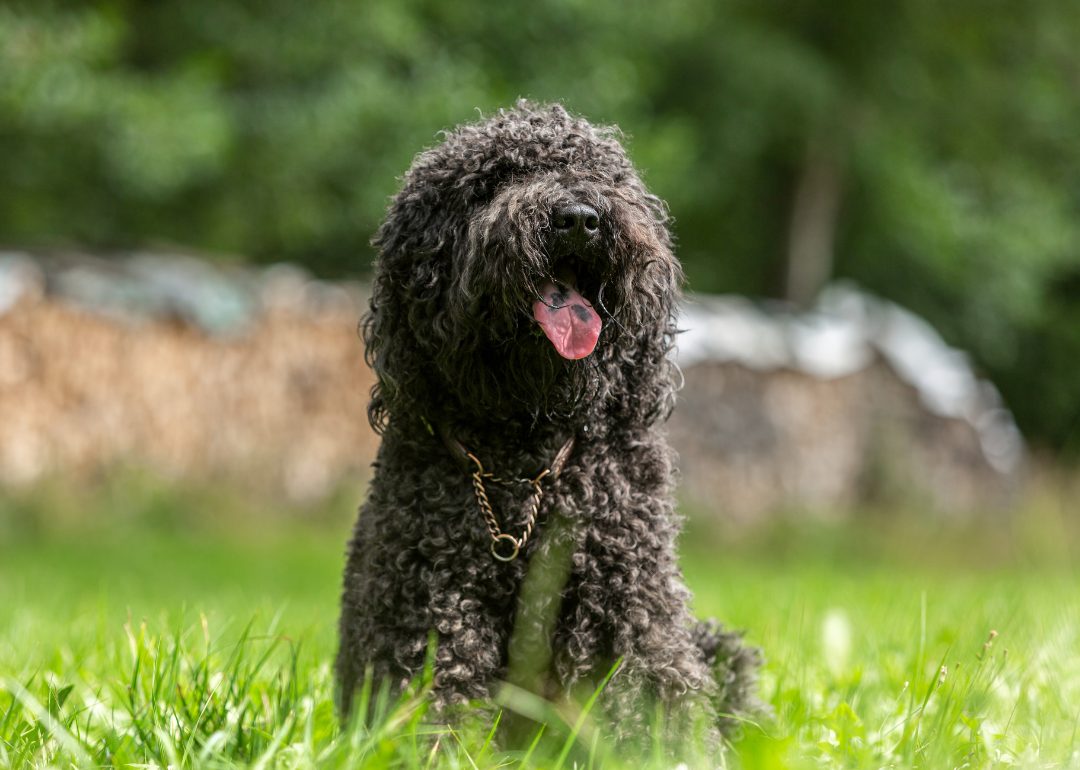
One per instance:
(524, 270)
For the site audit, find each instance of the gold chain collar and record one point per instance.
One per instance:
(499, 538)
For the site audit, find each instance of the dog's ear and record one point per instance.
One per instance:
(405, 326)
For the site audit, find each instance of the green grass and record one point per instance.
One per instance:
(142, 626)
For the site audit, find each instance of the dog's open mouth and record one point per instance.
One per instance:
(567, 318)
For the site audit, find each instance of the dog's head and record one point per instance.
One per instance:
(524, 272)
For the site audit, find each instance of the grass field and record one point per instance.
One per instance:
(142, 625)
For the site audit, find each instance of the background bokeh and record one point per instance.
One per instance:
(941, 137)
(923, 150)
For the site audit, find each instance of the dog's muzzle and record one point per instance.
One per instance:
(566, 317)
(576, 224)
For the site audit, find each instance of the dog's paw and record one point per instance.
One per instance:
(735, 666)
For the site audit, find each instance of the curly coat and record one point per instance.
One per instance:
(465, 247)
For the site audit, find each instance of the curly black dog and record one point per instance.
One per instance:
(520, 327)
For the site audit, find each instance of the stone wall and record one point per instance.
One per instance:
(751, 442)
(282, 405)
(257, 377)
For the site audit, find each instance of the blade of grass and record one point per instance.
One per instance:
(532, 747)
(464, 750)
(584, 713)
(491, 734)
(55, 728)
(279, 736)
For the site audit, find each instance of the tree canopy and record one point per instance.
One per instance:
(924, 148)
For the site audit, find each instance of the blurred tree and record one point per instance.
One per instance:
(924, 148)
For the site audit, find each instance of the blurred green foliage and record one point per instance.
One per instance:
(275, 129)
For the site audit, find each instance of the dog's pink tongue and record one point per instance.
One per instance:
(568, 320)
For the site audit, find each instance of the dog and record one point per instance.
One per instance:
(521, 328)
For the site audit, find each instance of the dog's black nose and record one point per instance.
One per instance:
(576, 222)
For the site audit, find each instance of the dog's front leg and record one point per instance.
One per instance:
(397, 596)
(470, 639)
(626, 602)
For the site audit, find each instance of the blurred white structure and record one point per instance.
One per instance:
(738, 356)
(221, 300)
(20, 276)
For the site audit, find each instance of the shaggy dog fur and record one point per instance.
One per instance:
(465, 249)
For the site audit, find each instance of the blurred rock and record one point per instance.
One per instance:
(856, 401)
(20, 276)
(185, 368)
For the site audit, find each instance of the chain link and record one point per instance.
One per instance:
(497, 535)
